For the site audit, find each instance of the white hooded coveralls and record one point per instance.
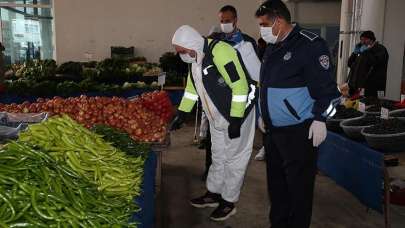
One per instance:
(230, 157)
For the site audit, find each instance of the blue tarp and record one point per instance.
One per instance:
(146, 217)
(355, 167)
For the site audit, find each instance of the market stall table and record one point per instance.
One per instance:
(360, 170)
(175, 94)
(146, 216)
(159, 149)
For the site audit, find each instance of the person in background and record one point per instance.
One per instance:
(368, 66)
(229, 32)
(297, 94)
(228, 96)
(246, 46)
(261, 155)
(228, 17)
(242, 42)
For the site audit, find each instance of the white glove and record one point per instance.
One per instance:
(317, 132)
(260, 124)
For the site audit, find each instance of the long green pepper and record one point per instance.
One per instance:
(60, 174)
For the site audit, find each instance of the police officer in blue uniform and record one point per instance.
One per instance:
(297, 95)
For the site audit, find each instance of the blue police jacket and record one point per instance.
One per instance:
(297, 80)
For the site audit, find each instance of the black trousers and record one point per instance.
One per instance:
(291, 169)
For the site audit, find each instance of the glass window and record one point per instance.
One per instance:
(331, 35)
(26, 31)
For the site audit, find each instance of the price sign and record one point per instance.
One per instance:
(162, 79)
(362, 92)
(385, 113)
(381, 94)
(362, 107)
(402, 97)
(342, 100)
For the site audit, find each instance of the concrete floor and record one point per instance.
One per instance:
(182, 168)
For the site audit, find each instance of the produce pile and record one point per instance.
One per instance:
(365, 121)
(398, 114)
(60, 174)
(36, 70)
(346, 113)
(388, 104)
(158, 103)
(176, 70)
(143, 118)
(43, 78)
(121, 141)
(390, 126)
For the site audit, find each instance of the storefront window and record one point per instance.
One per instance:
(26, 30)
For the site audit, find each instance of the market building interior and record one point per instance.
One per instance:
(96, 129)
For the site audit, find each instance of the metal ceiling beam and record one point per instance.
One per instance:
(26, 14)
(15, 5)
(318, 1)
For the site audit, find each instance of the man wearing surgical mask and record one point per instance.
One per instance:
(297, 94)
(228, 17)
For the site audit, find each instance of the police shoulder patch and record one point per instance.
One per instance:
(309, 35)
(324, 61)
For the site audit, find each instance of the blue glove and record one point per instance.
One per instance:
(363, 48)
(357, 49)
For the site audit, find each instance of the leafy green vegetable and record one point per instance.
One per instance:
(38, 70)
(112, 70)
(122, 141)
(67, 88)
(70, 68)
(44, 89)
(171, 62)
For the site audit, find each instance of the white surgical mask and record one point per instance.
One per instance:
(187, 58)
(267, 34)
(227, 28)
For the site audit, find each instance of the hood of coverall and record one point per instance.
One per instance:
(187, 37)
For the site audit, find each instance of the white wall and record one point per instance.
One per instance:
(95, 25)
(394, 41)
(92, 26)
(316, 12)
(372, 17)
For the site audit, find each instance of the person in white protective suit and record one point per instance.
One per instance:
(228, 94)
(245, 45)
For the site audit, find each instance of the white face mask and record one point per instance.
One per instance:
(227, 28)
(267, 34)
(187, 58)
